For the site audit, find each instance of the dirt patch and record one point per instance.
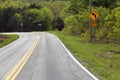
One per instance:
(115, 52)
(105, 55)
(3, 38)
(108, 54)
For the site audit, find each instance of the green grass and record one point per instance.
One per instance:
(103, 60)
(9, 40)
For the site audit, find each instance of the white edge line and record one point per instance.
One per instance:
(88, 72)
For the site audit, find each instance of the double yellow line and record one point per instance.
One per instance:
(16, 70)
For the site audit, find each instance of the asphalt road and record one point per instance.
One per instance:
(49, 61)
(11, 54)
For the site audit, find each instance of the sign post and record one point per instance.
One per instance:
(94, 16)
(21, 27)
(39, 25)
(90, 26)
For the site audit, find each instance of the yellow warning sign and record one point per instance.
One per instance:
(94, 15)
(94, 24)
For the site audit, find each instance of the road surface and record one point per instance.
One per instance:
(48, 61)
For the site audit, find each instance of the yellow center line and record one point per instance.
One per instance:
(16, 70)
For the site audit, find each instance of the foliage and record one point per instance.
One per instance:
(58, 24)
(70, 24)
(108, 29)
(113, 20)
(18, 17)
(47, 18)
(35, 14)
(68, 15)
(105, 3)
(102, 30)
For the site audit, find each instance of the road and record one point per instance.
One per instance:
(50, 60)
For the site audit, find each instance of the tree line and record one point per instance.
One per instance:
(70, 16)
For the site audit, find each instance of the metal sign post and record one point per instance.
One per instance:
(21, 27)
(39, 25)
(93, 23)
(90, 26)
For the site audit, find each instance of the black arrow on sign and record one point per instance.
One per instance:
(94, 15)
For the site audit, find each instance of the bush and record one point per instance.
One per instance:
(70, 24)
(112, 21)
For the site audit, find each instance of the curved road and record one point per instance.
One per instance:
(49, 60)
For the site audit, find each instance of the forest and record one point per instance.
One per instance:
(70, 16)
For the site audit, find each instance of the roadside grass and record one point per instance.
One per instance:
(6, 39)
(103, 60)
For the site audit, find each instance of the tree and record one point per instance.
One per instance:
(103, 30)
(19, 21)
(75, 7)
(70, 24)
(18, 17)
(112, 21)
(47, 18)
(58, 24)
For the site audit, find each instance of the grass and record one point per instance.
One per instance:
(7, 39)
(103, 60)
